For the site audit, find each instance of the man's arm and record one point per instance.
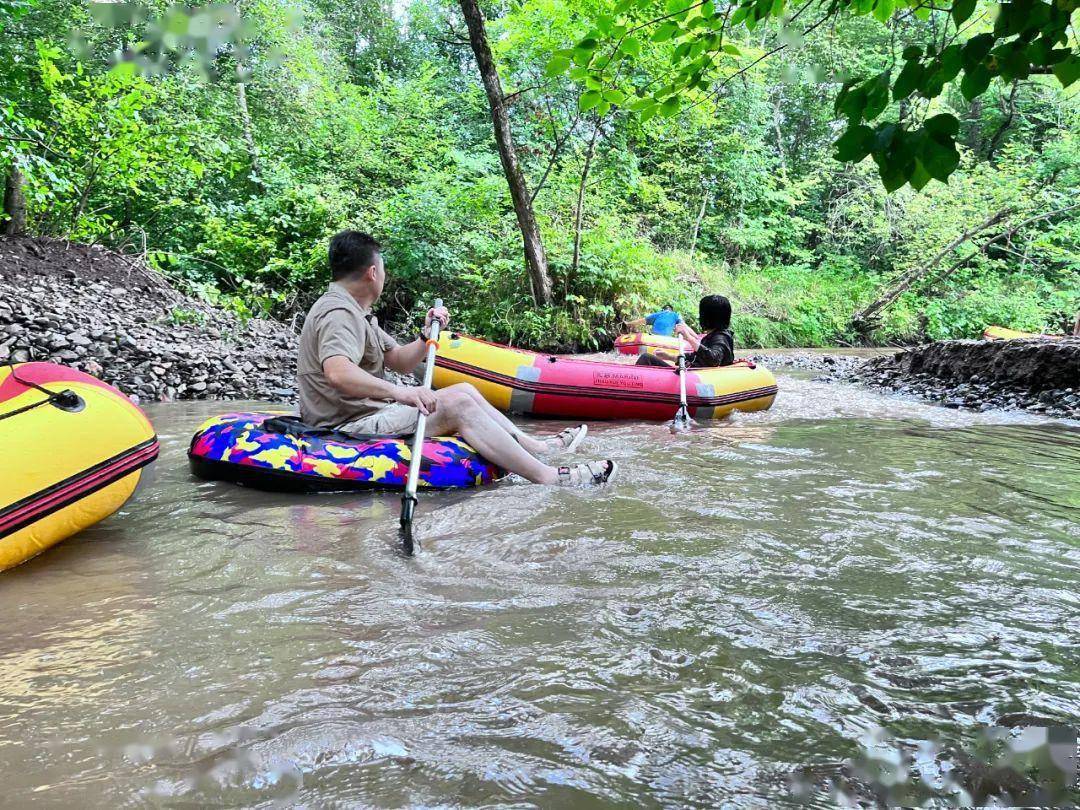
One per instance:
(405, 359)
(352, 381)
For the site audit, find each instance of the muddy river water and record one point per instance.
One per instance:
(749, 601)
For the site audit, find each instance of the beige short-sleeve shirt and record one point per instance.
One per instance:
(338, 325)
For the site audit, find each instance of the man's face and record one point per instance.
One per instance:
(378, 279)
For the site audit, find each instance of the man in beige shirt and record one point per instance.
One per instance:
(344, 353)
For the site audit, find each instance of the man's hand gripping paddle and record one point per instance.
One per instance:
(408, 499)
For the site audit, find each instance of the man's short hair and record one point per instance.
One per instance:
(352, 252)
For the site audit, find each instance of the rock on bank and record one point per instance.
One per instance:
(1042, 376)
(113, 317)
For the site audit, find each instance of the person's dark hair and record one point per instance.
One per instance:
(668, 306)
(714, 312)
(351, 252)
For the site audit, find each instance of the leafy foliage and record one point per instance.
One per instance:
(704, 45)
(360, 118)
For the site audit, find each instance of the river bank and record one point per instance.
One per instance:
(112, 316)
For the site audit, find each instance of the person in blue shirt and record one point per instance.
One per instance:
(664, 321)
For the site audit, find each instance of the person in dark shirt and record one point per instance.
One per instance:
(715, 348)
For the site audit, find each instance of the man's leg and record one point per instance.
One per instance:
(530, 443)
(459, 413)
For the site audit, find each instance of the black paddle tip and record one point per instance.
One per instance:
(405, 528)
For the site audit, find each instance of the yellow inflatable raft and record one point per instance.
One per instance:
(570, 388)
(1002, 333)
(74, 449)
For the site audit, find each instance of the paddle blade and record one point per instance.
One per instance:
(405, 526)
(682, 421)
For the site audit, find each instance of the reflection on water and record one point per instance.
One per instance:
(751, 599)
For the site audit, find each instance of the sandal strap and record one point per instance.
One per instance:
(566, 435)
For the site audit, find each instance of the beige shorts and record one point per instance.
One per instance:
(393, 420)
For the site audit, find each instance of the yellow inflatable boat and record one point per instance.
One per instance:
(569, 388)
(1003, 333)
(74, 449)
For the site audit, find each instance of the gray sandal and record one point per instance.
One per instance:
(593, 473)
(569, 439)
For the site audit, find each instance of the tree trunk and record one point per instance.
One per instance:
(535, 258)
(861, 320)
(249, 135)
(778, 117)
(697, 224)
(579, 210)
(1008, 110)
(14, 203)
(974, 116)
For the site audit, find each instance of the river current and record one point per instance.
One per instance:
(728, 624)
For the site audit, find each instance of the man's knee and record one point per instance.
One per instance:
(465, 388)
(457, 400)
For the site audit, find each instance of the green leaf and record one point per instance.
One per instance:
(614, 96)
(851, 101)
(1068, 71)
(1015, 64)
(976, 49)
(732, 49)
(908, 80)
(631, 46)
(648, 113)
(894, 173)
(940, 157)
(675, 6)
(877, 97)
(642, 104)
(975, 82)
(670, 106)
(604, 23)
(854, 144)
(556, 65)
(582, 57)
(913, 52)
(1011, 18)
(919, 176)
(883, 10)
(932, 82)
(603, 108)
(961, 10)
(589, 99)
(665, 31)
(587, 44)
(950, 62)
(945, 125)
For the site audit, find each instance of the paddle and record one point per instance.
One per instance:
(682, 416)
(408, 498)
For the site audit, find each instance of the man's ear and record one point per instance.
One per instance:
(370, 273)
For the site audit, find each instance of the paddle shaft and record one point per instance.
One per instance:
(682, 413)
(421, 421)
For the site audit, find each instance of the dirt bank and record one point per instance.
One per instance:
(1042, 376)
(113, 317)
